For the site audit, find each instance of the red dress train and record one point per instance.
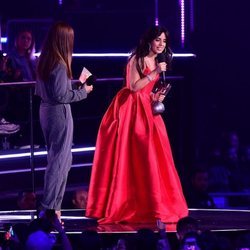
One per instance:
(133, 178)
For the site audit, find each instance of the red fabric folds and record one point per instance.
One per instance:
(133, 178)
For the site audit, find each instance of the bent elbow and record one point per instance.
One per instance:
(133, 87)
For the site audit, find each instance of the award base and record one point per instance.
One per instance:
(157, 107)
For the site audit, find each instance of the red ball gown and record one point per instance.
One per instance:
(133, 178)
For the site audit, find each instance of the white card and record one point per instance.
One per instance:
(85, 74)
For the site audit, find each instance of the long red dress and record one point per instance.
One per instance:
(133, 178)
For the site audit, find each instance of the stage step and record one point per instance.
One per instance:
(16, 174)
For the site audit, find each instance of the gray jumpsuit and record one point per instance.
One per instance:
(57, 126)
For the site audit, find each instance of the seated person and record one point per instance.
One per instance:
(26, 200)
(192, 241)
(22, 62)
(21, 58)
(185, 225)
(197, 195)
(79, 199)
(5, 126)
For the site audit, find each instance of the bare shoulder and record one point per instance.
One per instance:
(133, 63)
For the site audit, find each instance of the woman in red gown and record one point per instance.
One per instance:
(133, 178)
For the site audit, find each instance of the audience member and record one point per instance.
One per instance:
(229, 169)
(219, 177)
(226, 164)
(5, 126)
(79, 199)
(233, 164)
(185, 225)
(197, 194)
(43, 227)
(231, 158)
(230, 139)
(192, 241)
(26, 200)
(14, 236)
(21, 57)
(39, 240)
(22, 62)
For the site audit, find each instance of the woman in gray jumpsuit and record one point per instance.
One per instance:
(55, 90)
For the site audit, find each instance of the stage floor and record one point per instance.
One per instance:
(76, 223)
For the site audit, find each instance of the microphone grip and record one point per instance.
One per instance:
(164, 76)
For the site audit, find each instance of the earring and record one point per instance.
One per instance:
(149, 47)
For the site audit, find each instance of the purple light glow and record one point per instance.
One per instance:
(192, 15)
(156, 22)
(39, 153)
(4, 39)
(156, 13)
(119, 54)
(182, 7)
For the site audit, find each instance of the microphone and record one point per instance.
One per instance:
(157, 106)
(160, 84)
(162, 57)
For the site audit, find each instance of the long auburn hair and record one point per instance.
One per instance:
(57, 48)
(143, 47)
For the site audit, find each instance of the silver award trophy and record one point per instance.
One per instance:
(157, 106)
(161, 85)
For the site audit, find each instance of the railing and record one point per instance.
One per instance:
(221, 199)
(31, 84)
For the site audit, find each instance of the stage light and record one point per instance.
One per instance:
(26, 170)
(184, 55)
(4, 40)
(39, 153)
(111, 54)
(192, 15)
(156, 13)
(182, 7)
(120, 54)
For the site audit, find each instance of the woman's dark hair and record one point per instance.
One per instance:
(143, 47)
(195, 236)
(185, 225)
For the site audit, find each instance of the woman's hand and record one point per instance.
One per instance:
(88, 88)
(161, 67)
(160, 225)
(158, 96)
(161, 97)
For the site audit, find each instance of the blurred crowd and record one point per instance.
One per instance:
(223, 179)
(17, 65)
(48, 233)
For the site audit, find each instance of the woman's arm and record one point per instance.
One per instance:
(137, 83)
(60, 90)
